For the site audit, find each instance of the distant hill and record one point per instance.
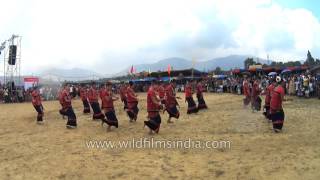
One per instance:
(176, 63)
(74, 74)
(78, 74)
(226, 63)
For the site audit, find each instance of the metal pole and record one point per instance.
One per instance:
(19, 63)
(4, 64)
(11, 69)
(192, 70)
(192, 73)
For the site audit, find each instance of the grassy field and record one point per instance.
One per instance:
(50, 151)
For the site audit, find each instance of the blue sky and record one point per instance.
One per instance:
(108, 36)
(312, 5)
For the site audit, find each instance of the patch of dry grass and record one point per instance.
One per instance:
(50, 151)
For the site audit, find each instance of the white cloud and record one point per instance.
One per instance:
(99, 34)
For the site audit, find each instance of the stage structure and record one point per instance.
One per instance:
(11, 52)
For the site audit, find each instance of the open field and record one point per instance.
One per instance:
(50, 151)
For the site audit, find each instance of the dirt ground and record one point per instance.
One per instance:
(50, 151)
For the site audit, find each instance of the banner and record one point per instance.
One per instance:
(254, 67)
(29, 82)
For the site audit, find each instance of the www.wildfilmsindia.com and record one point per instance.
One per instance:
(151, 143)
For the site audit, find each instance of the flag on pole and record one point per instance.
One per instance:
(169, 69)
(193, 64)
(131, 70)
(149, 71)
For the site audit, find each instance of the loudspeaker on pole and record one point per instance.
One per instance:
(12, 55)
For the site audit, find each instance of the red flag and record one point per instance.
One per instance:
(169, 69)
(132, 69)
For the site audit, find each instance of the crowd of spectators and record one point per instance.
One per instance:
(301, 85)
(17, 94)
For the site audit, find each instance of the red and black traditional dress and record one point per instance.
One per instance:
(123, 96)
(171, 102)
(201, 102)
(276, 110)
(192, 107)
(108, 107)
(267, 100)
(255, 98)
(246, 93)
(162, 92)
(68, 110)
(84, 98)
(153, 108)
(133, 109)
(93, 96)
(62, 111)
(36, 102)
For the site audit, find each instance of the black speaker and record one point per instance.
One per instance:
(12, 55)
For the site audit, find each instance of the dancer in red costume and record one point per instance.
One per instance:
(107, 98)
(93, 96)
(132, 99)
(171, 101)
(276, 109)
(36, 102)
(153, 108)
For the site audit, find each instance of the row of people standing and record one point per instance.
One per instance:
(275, 93)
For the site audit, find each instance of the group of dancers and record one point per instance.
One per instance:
(274, 95)
(161, 97)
